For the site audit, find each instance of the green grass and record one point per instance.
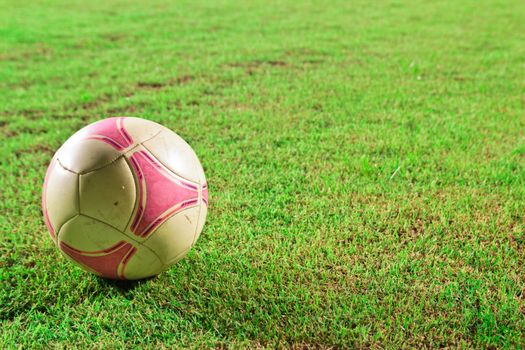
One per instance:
(366, 162)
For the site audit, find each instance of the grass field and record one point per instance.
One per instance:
(365, 162)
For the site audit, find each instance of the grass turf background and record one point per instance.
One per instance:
(365, 161)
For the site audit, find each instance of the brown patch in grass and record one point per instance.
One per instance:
(307, 56)
(39, 50)
(114, 37)
(277, 63)
(32, 113)
(171, 82)
(92, 104)
(181, 80)
(251, 67)
(258, 63)
(313, 61)
(25, 130)
(214, 29)
(152, 85)
(35, 149)
(10, 133)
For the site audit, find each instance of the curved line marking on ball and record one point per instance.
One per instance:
(140, 200)
(101, 252)
(110, 262)
(167, 173)
(122, 130)
(205, 194)
(125, 261)
(167, 214)
(110, 131)
(135, 242)
(47, 220)
(161, 194)
(108, 140)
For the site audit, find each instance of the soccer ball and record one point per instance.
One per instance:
(125, 198)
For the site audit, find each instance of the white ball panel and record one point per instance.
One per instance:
(105, 251)
(61, 195)
(174, 238)
(172, 151)
(109, 194)
(144, 263)
(83, 155)
(89, 234)
(141, 130)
